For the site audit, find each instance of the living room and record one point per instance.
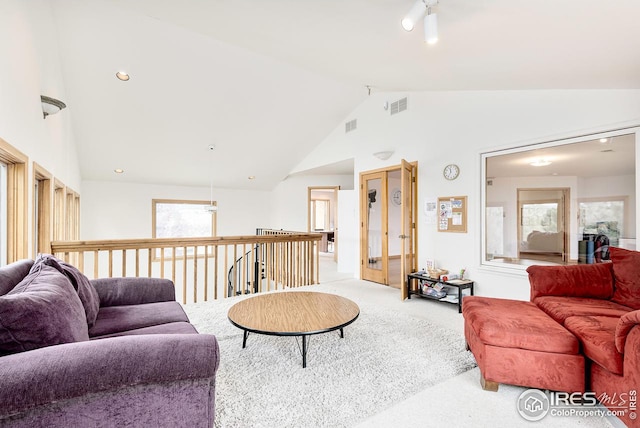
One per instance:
(459, 109)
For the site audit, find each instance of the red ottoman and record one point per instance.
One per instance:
(514, 342)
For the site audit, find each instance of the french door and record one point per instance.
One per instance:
(387, 219)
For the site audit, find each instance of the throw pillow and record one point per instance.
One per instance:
(626, 271)
(12, 274)
(86, 291)
(42, 310)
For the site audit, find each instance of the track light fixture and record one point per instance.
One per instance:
(419, 9)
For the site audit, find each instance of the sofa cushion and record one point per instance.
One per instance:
(597, 336)
(626, 270)
(117, 319)
(560, 308)
(42, 310)
(87, 293)
(12, 274)
(516, 324)
(169, 328)
(594, 280)
(625, 324)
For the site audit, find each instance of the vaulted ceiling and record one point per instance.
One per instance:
(267, 80)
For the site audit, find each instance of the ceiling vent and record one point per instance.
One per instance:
(350, 126)
(399, 106)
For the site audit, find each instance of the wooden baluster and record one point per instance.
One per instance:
(215, 273)
(150, 262)
(226, 270)
(206, 271)
(195, 274)
(137, 262)
(162, 261)
(184, 275)
(173, 264)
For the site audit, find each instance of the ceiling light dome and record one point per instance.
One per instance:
(123, 75)
(540, 162)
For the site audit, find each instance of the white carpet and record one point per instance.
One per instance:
(455, 401)
(385, 357)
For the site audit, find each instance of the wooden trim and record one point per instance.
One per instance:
(103, 245)
(42, 231)
(17, 201)
(58, 210)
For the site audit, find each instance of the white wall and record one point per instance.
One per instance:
(349, 238)
(30, 67)
(123, 210)
(457, 127)
(289, 199)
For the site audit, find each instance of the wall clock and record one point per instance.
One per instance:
(396, 197)
(451, 171)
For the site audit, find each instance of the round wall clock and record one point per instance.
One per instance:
(451, 171)
(396, 197)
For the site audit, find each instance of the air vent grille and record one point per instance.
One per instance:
(351, 125)
(399, 106)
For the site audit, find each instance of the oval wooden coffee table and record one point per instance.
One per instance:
(293, 313)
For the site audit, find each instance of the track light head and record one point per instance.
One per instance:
(431, 28)
(417, 11)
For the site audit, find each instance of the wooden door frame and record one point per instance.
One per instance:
(413, 208)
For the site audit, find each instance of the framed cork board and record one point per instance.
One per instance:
(452, 214)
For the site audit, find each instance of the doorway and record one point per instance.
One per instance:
(388, 199)
(542, 220)
(322, 217)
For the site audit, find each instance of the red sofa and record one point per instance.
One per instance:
(598, 304)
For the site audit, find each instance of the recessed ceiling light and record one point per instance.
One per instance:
(604, 140)
(252, 177)
(122, 76)
(118, 171)
(540, 162)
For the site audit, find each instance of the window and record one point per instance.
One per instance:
(182, 219)
(72, 225)
(596, 175)
(3, 214)
(320, 214)
(604, 216)
(14, 196)
(58, 211)
(42, 193)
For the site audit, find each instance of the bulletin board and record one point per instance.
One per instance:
(452, 214)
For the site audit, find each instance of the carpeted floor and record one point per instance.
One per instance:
(408, 370)
(383, 358)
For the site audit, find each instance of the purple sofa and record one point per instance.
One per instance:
(105, 352)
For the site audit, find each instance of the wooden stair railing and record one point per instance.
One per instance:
(199, 267)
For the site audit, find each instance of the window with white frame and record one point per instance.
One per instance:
(599, 174)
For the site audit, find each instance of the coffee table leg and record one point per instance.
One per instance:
(244, 339)
(304, 351)
(341, 334)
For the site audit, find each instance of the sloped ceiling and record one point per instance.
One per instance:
(267, 80)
